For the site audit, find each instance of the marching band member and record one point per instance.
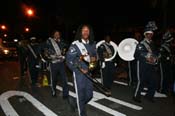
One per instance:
(166, 64)
(81, 52)
(54, 51)
(32, 60)
(106, 50)
(147, 58)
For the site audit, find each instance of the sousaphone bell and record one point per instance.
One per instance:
(127, 48)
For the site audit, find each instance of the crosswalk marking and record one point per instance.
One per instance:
(117, 82)
(98, 96)
(97, 105)
(9, 110)
(157, 94)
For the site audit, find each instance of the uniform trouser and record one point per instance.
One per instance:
(33, 72)
(132, 72)
(167, 79)
(84, 91)
(23, 66)
(108, 74)
(146, 76)
(57, 69)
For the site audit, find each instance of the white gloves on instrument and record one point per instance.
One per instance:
(103, 65)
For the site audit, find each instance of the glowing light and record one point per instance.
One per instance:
(3, 27)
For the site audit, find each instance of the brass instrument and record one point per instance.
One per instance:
(98, 85)
(155, 59)
(127, 48)
(107, 56)
(92, 65)
(95, 82)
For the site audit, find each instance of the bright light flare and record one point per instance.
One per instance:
(27, 29)
(3, 27)
(30, 12)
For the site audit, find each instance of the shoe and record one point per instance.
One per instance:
(150, 99)
(108, 94)
(65, 97)
(72, 103)
(54, 94)
(137, 100)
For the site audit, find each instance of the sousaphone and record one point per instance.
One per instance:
(113, 45)
(127, 48)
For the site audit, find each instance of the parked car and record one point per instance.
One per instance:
(8, 49)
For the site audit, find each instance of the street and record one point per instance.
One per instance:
(18, 98)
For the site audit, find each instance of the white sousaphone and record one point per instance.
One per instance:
(113, 45)
(126, 49)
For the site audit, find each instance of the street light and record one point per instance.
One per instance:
(5, 35)
(29, 12)
(3, 27)
(27, 29)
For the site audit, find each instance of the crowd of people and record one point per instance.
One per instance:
(56, 55)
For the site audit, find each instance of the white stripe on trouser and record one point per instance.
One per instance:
(76, 90)
(30, 78)
(101, 74)
(161, 76)
(51, 78)
(138, 77)
(129, 67)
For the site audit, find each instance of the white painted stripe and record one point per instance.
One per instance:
(98, 96)
(9, 110)
(106, 109)
(157, 94)
(126, 104)
(117, 82)
(121, 83)
(97, 105)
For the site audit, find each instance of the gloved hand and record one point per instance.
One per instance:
(103, 65)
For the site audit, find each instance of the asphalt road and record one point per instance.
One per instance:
(18, 98)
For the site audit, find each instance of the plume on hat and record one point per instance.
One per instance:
(167, 37)
(150, 27)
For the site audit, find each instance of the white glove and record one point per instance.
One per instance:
(103, 65)
(115, 64)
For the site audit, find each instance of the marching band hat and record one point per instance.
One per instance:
(167, 37)
(150, 27)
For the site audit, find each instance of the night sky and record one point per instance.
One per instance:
(66, 15)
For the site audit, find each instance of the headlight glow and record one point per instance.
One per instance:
(6, 51)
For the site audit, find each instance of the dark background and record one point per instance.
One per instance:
(113, 17)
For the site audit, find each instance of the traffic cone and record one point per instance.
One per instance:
(45, 81)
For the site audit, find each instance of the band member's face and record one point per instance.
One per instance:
(149, 36)
(107, 39)
(57, 35)
(85, 33)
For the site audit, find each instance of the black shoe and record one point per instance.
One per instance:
(65, 97)
(72, 103)
(137, 100)
(54, 94)
(150, 99)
